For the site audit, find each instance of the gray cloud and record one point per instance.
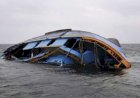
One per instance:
(24, 19)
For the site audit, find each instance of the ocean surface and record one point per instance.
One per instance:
(24, 80)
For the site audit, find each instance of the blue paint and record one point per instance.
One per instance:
(88, 57)
(60, 60)
(69, 50)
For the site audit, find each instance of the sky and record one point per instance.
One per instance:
(24, 19)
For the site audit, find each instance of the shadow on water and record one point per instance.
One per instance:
(73, 70)
(80, 70)
(41, 79)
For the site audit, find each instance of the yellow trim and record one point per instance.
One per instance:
(111, 51)
(46, 55)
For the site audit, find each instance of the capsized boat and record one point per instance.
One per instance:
(68, 48)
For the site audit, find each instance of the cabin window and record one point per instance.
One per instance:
(70, 43)
(73, 44)
(30, 46)
(43, 43)
(59, 42)
(52, 41)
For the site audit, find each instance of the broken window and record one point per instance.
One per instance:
(73, 44)
(70, 43)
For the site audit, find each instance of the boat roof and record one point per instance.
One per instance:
(64, 33)
(68, 33)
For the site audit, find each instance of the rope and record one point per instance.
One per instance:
(97, 61)
(72, 47)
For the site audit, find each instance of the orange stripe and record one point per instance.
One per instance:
(123, 60)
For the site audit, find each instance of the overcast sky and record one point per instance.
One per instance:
(24, 19)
